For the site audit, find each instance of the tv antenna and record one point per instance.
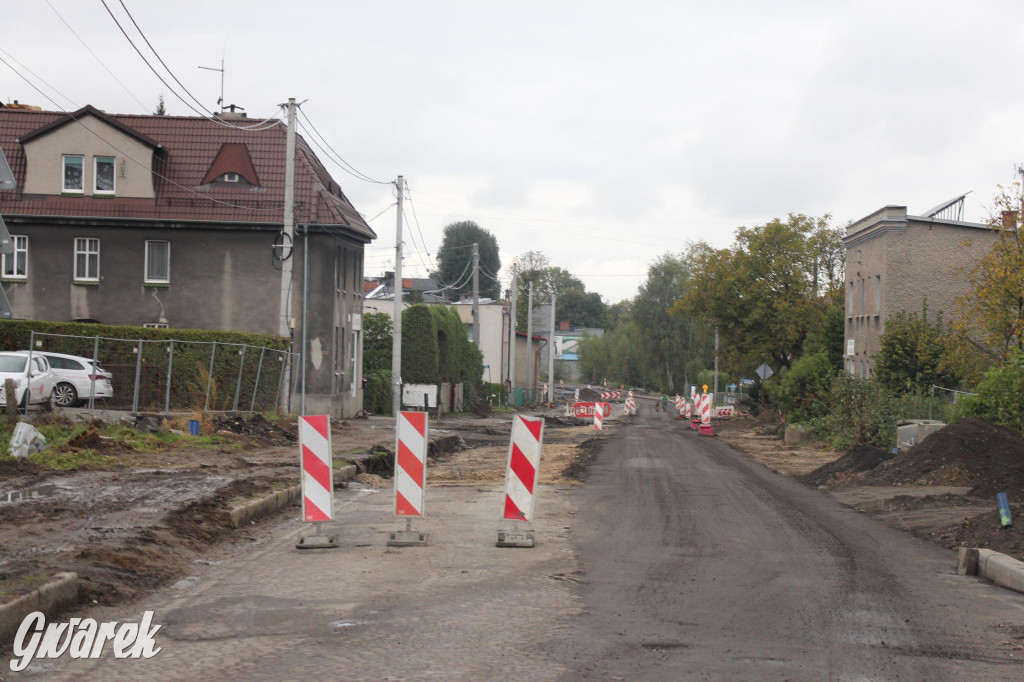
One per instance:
(220, 101)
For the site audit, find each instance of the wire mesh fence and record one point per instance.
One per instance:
(171, 376)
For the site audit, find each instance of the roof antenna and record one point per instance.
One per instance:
(220, 100)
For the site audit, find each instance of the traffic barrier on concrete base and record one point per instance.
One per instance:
(598, 420)
(521, 474)
(317, 479)
(410, 476)
(705, 409)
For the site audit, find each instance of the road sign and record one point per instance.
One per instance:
(764, 371)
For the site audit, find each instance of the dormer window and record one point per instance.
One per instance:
(231, 177)
(74, 178)
(104, 173)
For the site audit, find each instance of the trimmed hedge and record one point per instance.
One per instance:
(420, 360)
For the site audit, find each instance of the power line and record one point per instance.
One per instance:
(95, 56)
(206, 113)
(330, 157)
(37, 76)
(357, 173)
(416, 218)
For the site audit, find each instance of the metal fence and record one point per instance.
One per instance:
(172, 376)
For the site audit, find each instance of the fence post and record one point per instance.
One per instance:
(280, 380)
(238, 386)
(138, 373)
(95, 368)
(209, 378)
(170, 368)
(256, 387)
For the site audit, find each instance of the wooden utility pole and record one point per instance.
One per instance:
(396, 341)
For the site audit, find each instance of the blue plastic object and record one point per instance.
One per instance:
(1004, 510)
(193, 427)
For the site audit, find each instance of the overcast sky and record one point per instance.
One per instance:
(602, 133)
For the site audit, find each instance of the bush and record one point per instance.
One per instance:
(377, 394)
(420, 361)
(1000, 397)
(801, 392)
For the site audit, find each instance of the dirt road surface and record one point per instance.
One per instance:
(677, 559)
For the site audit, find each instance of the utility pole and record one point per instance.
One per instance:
(288, 245)
(476, 294)
(396, 341)
(529, 344)
(716, 367)
(512, 331)
(551, 353)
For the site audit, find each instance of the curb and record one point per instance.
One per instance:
(1003, 570)
(276, 501)
(52, 598)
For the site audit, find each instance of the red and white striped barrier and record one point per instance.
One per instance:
(598, 420)
(523, 467)
(725, 411)
(584, 410)
(705, 409)
(317, 472)
(410, 463)
(687, 409)
(610, 395)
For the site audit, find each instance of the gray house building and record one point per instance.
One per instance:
(896, 261)
(172, 221)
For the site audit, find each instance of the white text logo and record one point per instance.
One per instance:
(82, 638)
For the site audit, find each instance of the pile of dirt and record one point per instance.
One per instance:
(984, 530)
(861, 458)
(971, 452)
(256, 425)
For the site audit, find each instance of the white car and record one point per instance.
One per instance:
(75, 377)
(35, 386)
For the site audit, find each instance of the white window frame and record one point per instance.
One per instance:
(10, 260)
(64, 174)
(96, 175)
(89, 247)
(153, 280)
(155, 325)
(231, 177)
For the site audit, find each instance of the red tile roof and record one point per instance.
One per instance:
(188, 149)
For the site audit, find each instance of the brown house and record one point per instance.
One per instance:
(171, 221)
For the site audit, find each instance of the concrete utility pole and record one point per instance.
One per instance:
(551, 353)
(288, 246)
(512, 331)
(396, 341)
(529, 343)
(476, 294)
(716, 367)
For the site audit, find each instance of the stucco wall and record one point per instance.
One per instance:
(44, 173)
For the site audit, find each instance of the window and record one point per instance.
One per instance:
(155, 325)
(87, 259)
(73, 176)
(15, 265)
(104, 175)
(230, 177)
(158, 262)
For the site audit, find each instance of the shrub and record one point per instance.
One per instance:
(1000, 397)
(801, 392)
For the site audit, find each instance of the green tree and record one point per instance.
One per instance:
(581, 309)
(420, 353)
(455, 260)
(1000, 397)
(910, 354)
(768, 290)
(161, 110)
(377, 342)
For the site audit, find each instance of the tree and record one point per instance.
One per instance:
(377, 342)
(1000, 397)
(768, 290)
(991, 313)
(581, 309)
(455, 260)
(161, 110)
(910, 354)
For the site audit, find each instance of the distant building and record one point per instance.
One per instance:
(896, 261)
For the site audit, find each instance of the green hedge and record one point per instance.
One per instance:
(377, 394)
(419, 346)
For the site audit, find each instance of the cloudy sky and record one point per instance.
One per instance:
(603, 134)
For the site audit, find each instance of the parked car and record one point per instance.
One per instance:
(75, 377)
(34, 384)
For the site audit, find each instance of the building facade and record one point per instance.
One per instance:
(172, 221)
(899, 262)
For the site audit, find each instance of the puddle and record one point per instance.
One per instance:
(29, 493)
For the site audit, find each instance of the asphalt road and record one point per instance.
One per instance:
(699, 564)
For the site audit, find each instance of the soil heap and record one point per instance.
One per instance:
(861, 458)
(971, 452)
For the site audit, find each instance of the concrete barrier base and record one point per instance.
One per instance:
(1003, 570)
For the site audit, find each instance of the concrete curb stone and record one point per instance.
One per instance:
(52, 598)
(1001, 569)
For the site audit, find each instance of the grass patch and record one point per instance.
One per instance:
(69, 460)
(23, 584)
